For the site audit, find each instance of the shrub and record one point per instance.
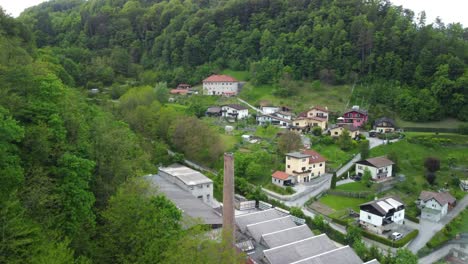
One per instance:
(463, 129)
(388, 242)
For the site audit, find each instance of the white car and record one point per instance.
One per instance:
(396, 236)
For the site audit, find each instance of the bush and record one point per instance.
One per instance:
(463, 129)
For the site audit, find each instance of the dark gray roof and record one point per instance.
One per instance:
(384, 205)
(336, 256)
(299, 250)
(236, 106)
(256, 217)
(379, 121)
(256, 230)
(286, 236)
(185, 201)
(297, 155)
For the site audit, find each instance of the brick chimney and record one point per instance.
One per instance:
(228, 198)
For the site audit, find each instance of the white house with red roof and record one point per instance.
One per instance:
(281, 178)
(222, 85)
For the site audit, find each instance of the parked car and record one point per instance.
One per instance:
(396, 236)
(373, 133)
(357, 178)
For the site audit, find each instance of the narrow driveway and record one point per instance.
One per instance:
(428, 229)
(249, 105)
(436, 255)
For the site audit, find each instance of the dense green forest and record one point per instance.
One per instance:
(69, 191)
(415, 68)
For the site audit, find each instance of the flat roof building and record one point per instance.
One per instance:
(190, 180)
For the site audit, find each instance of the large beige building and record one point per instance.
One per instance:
(315, 117)
(305, 165)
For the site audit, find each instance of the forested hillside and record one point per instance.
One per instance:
(69, 191)
(416, 68)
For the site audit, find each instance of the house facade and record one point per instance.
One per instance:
(266, 110)
(273, 119)
(318, 112)
(336, 131)
(281, 178)
(435, 205)
(356, 117)
(384, 125)
(305, 165)
(382, 214)
(306, 124)
(380, 168)
(234, 111)
(222, 85)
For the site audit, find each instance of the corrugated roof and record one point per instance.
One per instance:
(256, 230)
(286, 236)
(220, 78)
(247, 219)
(342, 255)
(185, 201)
(186, 174)
(299, 250)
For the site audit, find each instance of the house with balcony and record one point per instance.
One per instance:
(336, 131)
(273, 119)
(384, 125)
(381, 215)
(305, 165)
(379, 167)
(234, 111)
(355, 116)
(435, 205)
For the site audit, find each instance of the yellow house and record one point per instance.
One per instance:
(305, 124)
(305, 165)
(336, 131)
(318, 111)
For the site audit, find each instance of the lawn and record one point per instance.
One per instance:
(446, 123)
(277, 189)
(229, 141)
(334, 97)
(334, 155)
(456, 226)
(339, 203)
(239, 75)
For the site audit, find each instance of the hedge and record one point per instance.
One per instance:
(412, 218)
(397, 244)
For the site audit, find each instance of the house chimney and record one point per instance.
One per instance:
(228, 198)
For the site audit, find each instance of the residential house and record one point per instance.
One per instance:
(182, 89)
(213, 111)
(234, 111)
(305, 165)
(273, 119)
(435, 205)
(285, 115)
(281, 178)
(317, 112)
(384, 125)
(382, 214)
(266, 110)
(223, 85)
(306, 124)
(336, 131)
(379, 167)
(356, 117)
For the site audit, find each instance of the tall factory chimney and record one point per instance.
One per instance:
(228, 198)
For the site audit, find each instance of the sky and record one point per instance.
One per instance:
(449, 11)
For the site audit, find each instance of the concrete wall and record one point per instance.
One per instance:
(241, 113)
(399, 217)
(276, 181)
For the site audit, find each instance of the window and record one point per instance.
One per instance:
(336, 133)
(303, 168)
(289, 166)
(207, 186)
(314, 165)
(369, 217)
(320, 164)
(289, 158)
(303, 160)
(359, 167)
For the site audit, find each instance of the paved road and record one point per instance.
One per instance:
(428, 229)
(436, 255)
(249, 105)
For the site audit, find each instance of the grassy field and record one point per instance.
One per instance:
(334, 97)
(239, 75)
(446, 123)
(339, 203)
(334, 155)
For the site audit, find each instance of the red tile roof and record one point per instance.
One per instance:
(280, 175)
(315, 157)
(220, 78)
(179, 91)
